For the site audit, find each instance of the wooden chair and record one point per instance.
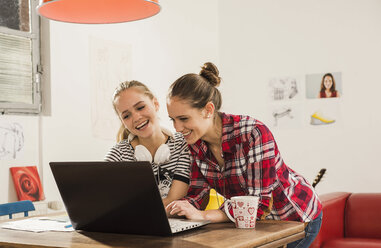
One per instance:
(16, 207)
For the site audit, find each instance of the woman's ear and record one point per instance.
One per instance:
(156, 104)
(209, 110)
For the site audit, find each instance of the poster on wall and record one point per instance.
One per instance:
(27, 183)
(323, 113)
(286, 116)
(11, 139)
(284, 88)
(323, 91)
(110, 64)
(318, 107)
(323, 85)
(285, 96)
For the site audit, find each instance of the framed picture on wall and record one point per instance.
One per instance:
(324, 85)
(27, 183)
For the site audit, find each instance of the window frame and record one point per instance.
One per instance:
(34, 36)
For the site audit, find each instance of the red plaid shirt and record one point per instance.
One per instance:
(253, 166)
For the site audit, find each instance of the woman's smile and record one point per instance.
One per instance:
(187, 134)
(142, 125)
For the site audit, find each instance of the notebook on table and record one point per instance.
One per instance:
(115, 197)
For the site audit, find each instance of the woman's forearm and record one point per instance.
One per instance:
(215, 215)
(178, 190)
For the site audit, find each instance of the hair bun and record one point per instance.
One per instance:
(210, 72)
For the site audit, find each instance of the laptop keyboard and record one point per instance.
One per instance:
(181, 224)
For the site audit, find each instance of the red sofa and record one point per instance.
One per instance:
(351, 220)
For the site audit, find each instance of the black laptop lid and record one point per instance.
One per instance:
(115, 197)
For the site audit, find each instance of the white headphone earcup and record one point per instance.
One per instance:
(162, 154)
(142, 153)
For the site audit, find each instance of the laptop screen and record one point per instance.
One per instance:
(116, 197)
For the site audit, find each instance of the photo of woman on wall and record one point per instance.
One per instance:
(328, 87)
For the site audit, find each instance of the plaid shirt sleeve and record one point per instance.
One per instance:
(262, 155)
(198, 187)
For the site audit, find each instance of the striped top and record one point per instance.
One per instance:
(253, 166)
(177, 168)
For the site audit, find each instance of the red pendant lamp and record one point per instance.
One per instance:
(97, 11)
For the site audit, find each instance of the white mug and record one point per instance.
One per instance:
(244, 210)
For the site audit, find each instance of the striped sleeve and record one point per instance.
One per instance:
(119, 152)
(181, 154)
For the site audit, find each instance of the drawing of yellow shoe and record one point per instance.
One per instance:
(319, 119)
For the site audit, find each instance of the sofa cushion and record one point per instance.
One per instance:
(333, 217)
(333, 214)
(362, 216)
(352, 243)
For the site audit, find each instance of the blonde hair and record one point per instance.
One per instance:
(123, 132)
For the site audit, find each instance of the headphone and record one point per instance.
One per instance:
(162, 154)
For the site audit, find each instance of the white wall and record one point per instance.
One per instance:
(250, 41)
(16, 150)
(264, 39)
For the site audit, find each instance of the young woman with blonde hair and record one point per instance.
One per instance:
(141, 138)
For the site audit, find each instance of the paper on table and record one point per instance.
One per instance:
(39, 225)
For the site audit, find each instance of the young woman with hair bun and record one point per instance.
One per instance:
(236, 155)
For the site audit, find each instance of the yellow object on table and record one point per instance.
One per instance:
(215, 200)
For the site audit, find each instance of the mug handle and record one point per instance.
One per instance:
(226, 208)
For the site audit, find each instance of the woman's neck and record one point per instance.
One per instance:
(214, 133)
(214, 139)
(153, 142)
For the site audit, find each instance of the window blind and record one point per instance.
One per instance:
(16, 70)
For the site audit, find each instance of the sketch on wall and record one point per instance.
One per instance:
(321, 113)
(11, 139)
(286, 116)
(285, 95)
(305, 100)
(319, 118)
(285, 88)
(110, 64)
(281, 114)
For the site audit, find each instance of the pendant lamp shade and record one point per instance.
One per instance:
(97, 11)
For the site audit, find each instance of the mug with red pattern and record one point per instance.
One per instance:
(244, 210)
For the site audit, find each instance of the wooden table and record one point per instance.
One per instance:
(266, 234)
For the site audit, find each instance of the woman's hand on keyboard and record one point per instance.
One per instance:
(184, 208)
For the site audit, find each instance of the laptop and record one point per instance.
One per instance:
(115, 197)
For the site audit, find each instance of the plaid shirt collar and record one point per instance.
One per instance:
(228, 141)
